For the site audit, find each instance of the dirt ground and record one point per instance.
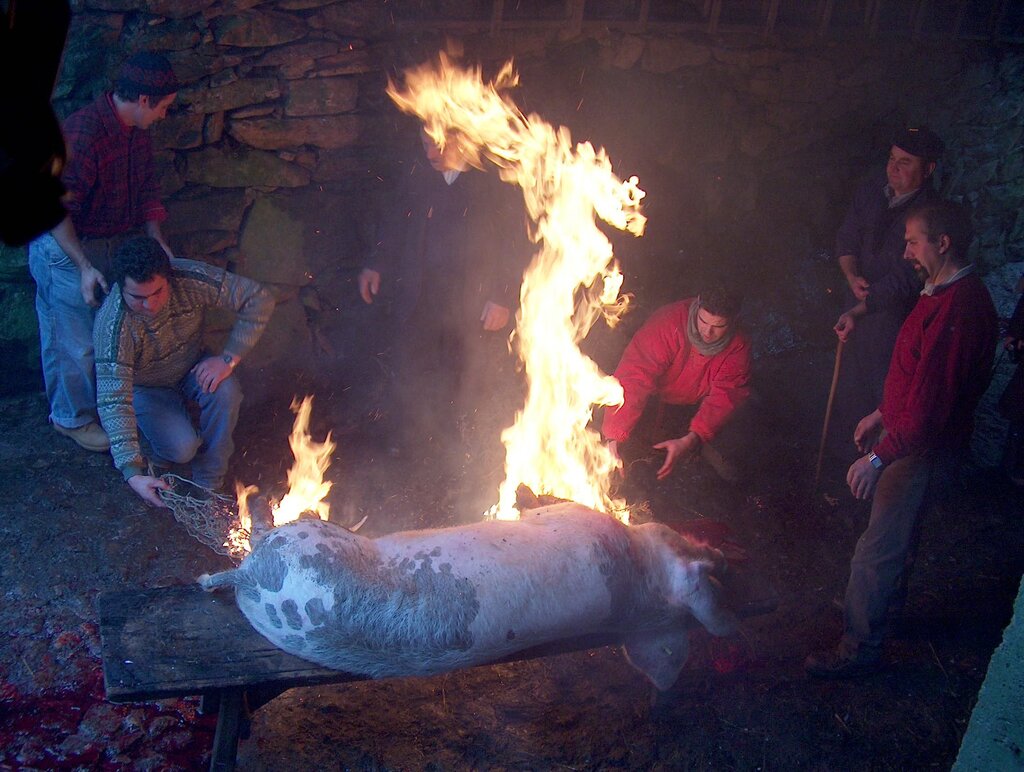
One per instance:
(72, 529)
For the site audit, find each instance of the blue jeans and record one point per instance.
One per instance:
(163, 417)
(65, 334)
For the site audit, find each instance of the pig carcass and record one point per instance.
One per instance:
(425, 602)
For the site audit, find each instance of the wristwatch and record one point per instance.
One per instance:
(228, 360)
(876, 462)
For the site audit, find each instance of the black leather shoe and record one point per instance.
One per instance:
(834, 663)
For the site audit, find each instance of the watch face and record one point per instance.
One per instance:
(226, 358)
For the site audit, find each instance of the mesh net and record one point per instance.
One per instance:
(209, 517)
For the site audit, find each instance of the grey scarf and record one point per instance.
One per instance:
(707, 349)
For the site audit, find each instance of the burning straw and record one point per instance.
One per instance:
(307, 488)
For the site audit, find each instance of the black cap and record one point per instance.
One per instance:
(920, 141)
(147, 73)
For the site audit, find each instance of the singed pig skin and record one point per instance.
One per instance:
(425, 602)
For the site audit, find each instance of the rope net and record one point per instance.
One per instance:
(208, 516)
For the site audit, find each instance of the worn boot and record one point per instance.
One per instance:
(91, 437)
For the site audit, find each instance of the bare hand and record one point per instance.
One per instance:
(862, 478)
(868, 431)
(369, 284)
(844, 326)
(680, 448)
(90, 277)
(494, 317)
(210, 372)
(858, 285)
(146, 487)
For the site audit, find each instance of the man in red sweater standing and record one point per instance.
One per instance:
(687, 353)
(940, 368)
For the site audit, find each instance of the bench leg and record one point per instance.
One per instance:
(209, 703)
(225, 739)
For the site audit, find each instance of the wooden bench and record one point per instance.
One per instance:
(181, 641)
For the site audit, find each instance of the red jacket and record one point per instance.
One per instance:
(940, 368)
(661, 360)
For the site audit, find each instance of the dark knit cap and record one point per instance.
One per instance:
(147, 73)
(920, 141)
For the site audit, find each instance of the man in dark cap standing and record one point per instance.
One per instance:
(881, 286)
(112, 194)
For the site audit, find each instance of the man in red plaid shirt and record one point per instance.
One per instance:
(112, 194)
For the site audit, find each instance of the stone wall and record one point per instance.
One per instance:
(273, 157)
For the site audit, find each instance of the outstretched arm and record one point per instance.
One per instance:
(147, 488)
(681, 448)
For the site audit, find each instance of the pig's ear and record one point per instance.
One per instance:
(692, 587)
(658, 655)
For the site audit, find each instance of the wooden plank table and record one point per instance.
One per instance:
(181, 641)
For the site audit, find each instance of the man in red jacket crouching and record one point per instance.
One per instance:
(687, 353)
(940, 368)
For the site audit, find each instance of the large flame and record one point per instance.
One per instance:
(306, 485)
(307, 488)
(571, 282)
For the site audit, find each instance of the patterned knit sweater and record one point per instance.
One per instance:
(132, 349)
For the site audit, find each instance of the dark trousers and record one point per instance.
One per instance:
(866, 357)
(449, 376)
(884, 552)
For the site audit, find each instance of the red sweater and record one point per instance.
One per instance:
(940, 368)
(661, 360)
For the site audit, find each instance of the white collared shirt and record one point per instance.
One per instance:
(929, 288)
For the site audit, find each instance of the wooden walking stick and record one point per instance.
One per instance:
(828, 413)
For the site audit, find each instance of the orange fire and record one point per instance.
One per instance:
(306, 485)
(238, 543)
(307, 488)
(571, 282)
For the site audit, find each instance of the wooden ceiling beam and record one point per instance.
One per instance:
(988, 23)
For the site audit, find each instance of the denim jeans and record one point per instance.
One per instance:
(163, 417)
(65, 334)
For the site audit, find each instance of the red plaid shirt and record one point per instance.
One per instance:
(109, 175)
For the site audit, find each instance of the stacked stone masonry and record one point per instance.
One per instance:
(272, 158)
